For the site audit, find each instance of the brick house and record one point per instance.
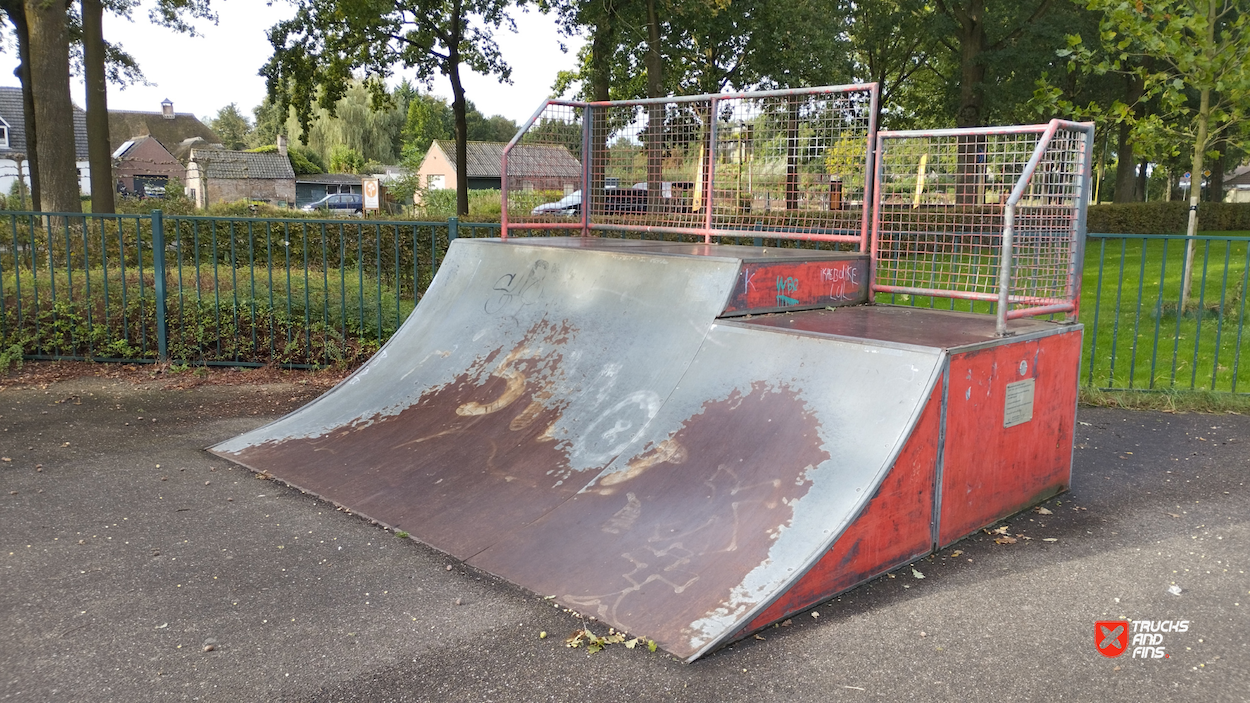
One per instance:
(154, 146)
(143, 167)
(224, 176)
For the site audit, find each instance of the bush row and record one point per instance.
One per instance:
(1166, 217)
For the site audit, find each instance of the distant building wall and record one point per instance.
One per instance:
(148, 158)
(437, 164)
(280, 192)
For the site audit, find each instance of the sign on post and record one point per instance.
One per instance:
(372, 194)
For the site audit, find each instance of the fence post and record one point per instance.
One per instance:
(453, 226)
(158, 263)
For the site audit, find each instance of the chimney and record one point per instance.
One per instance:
(167, 109)
(282, 144)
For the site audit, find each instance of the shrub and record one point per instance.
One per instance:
(1166, 217)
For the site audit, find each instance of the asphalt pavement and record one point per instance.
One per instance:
(137, 567)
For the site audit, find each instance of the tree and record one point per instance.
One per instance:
(269, 121)
(96, 58)
(54, 112)
(101, 62)
(890, 43)
(16, 12)
(344, 159)
(375, 132)
(99, 155)
(429, 118)
(318, 50)
(1179, 50)
(982, 29)
(233, 128)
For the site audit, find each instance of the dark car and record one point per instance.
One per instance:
(348, 202)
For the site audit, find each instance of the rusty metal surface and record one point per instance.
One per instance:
(575, 419)
(517, 374)
(763, 454)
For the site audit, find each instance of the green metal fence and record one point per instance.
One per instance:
(209, 290)
(1137, 335)
(301, 292)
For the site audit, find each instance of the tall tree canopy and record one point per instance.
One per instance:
(1193, 57)
(232, 126)
(319, 51)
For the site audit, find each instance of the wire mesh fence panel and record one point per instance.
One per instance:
(947, 200)
(1048, 226)
(789, 164)
(794, 164)
(543, 169)
(646, 167)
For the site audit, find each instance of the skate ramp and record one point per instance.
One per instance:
(576, 419)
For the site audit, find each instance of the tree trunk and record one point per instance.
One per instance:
(1195, 172)
(460, 110)
(1215, 191)
(98, 152)
(655, 113)
(1125, 183)
(1142, 181)
(54, 112)
(17, 15)
(969, 179)
(971, 66)
(1125, 186)
(601, 55)
(792, 153)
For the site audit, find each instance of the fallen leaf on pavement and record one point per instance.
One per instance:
(1005, 540)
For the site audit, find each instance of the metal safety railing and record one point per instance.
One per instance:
(991, 214)
(212, 290)
(792, 164)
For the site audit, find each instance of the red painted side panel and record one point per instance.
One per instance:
(990, 471)
(895, 526)
(765, 286)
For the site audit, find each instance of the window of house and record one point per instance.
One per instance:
(4, 134)
(436, 181)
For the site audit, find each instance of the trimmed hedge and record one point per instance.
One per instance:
(1170, 217)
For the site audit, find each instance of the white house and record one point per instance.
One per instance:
(13, 158)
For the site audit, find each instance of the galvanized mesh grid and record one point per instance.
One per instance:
(787, 164)
(1047, 218)
(543, 170)
(946, 197)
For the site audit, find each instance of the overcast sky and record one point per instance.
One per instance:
(203, 74)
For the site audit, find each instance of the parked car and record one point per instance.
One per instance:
(570, 204)
(352, 203)
(615, 199)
